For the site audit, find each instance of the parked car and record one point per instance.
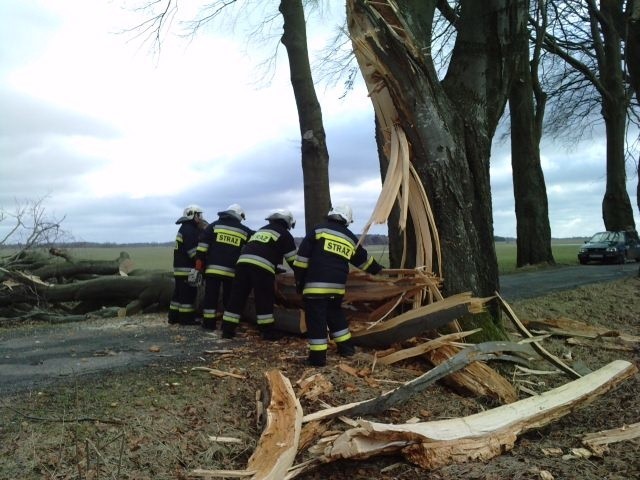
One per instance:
(615, 247)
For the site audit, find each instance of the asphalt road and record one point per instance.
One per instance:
(33, 357)
(519, 286)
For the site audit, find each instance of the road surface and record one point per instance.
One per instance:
(33, 357)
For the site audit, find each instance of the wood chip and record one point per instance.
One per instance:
(224, 439)
(219, 373)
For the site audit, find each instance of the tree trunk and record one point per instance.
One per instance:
(529, 189)
(633, 64)
(616, 206)
(315, 157)
(450, 124)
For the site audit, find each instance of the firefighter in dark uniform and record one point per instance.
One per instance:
(321, 269)
(182, 309)
(218, 251)
(256, 269)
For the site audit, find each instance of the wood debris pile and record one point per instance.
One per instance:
(290, 432)
(388, 319)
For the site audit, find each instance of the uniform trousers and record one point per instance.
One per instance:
(251, 277)
(322, 312)
(183, 302)
(212, 286)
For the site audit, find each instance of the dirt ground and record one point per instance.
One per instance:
(158, 422)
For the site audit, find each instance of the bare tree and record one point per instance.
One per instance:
(632, 58)
(527, 103)
(587, 38)
(315, 156)
(28, 226)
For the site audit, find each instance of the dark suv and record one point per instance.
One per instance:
(616, 247)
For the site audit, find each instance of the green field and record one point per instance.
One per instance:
(563, 253)
(160, 258)
(146, 258)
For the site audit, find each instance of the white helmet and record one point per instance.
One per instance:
(341, 213)
(190, 213)
(285, 215)
(235, 210)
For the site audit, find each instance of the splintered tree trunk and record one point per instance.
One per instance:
(315, 157)
(449, 125)
(529, 189)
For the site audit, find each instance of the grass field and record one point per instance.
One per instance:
(563, 253)
(146, 258)
(160, 258)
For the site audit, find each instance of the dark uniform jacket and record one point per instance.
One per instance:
(322, 263)
(184, 252)
(268, 246)
(220, 245)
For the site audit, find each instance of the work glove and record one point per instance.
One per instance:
(199, 265)
(194, 278)
(299, 287)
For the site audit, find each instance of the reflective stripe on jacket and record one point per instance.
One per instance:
(220, 245)
(267, 247)
(322, 262)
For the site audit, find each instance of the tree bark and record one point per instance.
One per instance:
(633, 63)
(315, 156)
(449, 124)
(529, 189)
(616, 206)
(73, 268)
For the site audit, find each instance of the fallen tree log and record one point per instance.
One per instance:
(73, 268)
(135, 293)
(476, 437)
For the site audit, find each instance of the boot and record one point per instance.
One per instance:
(209, 323)
(346, 349)
(173, 318)
(189, 319)
(317, 358)
(270, 333)
(228, 330)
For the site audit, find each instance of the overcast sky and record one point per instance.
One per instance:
(118, 141)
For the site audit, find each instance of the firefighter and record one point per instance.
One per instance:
(321, 269)
(182, 309)
(256, 269)
(218, 251)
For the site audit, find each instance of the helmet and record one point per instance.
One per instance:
(234, 210)
(285, 215)
(190, 213)
(341, 213)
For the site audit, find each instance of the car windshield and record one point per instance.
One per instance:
(604, 237)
